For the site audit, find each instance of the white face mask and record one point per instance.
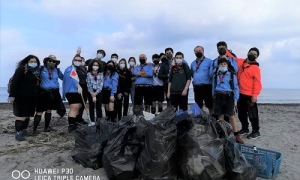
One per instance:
(77, 63)
(33, 65)
(122, 66)
(131, 63)
(114, 59)
(179, 61)
(95, 68)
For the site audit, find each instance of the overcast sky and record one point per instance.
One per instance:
(132, 27)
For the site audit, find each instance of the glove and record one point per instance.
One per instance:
(79, 89)
(126, 94)
(119, 96)
(94, 99)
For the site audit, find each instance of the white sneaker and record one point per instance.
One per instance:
(92, 124)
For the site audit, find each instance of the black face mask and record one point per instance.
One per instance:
(199, 54)
(222, 51)
(169, 56)
(142, 61)
(251, 57)
(164, 59)
(156, 62)
(110, 68)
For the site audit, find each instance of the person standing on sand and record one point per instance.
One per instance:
(95, 84)
(158, 86)
(201, 79)
(23, 94)
(225, 92)
(249, 78)
(143, 84)
(179, 82)
(73, 91)
(132, 63)
(49, 97)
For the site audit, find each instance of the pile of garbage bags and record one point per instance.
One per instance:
(190, 145)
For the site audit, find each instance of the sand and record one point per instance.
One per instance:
(280, 131)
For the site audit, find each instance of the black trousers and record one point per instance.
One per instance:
(122, 104)
(247, 109)
(98, 104)
(179, 100)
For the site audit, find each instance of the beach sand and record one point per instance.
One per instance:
(280, 131)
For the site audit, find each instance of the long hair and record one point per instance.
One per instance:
(91, 63)
(24, 61)
(113, 71)
(124, 60)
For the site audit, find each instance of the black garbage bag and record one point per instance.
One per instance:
(158, 159)
(223, 128)
(237, 166)
(122, 151)
(90, 143)
(201, 152)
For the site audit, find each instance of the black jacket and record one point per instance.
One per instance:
(24, 84)
(124, 84)
(163, 73)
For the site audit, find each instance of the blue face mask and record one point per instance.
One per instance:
(99, 56)
(33, 65)
(223, 69)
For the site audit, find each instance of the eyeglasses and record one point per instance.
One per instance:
(51, 61)
(78, 60)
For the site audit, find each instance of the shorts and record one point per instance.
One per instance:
(143, 93)
(106, 96)
(74, 98)
(48, 100)
(24, 106)
(158, 93)
(203, 93)
(224, 104)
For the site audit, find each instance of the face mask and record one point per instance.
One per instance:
(251, 57)
(110, 68)
(222, 51)
(199, 54)
(142, 61)
(95, 68)
(122, 66)
(223, 69)
(131, 63)
(114, 59)
(169, 56)
(50, 65)
(164, 59)
(77, 63)
(179, 61)
(156, 62)
(33, 65)
(99, 56)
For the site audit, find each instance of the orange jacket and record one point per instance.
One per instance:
(249, 78)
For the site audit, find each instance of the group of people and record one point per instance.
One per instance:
(224, 85)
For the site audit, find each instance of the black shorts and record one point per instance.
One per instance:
(203, 92)
(74, 98)
(224, 104)
(143, 93)
(106, 96)
(24, 106)
(48, 100)
(158, 93)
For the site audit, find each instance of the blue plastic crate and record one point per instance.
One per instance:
(266, 161)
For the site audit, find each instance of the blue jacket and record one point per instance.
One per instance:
(141, 79)
(225, 86)
(69, 83)
(201, 74)
(111, 82)
(215, 65)
(50, 83)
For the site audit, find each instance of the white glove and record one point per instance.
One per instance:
(119, 96)
(79, 89)
(94, 99)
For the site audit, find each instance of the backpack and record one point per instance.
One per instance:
(10, 81)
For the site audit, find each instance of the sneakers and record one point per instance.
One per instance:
(253, 135)
(239, 139)
(92, 123)
(48, 129)
(243, 131)
(19, 136)
(25, 133)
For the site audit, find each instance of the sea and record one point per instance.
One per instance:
(270, 96)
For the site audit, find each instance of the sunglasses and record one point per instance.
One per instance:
(51, 61)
